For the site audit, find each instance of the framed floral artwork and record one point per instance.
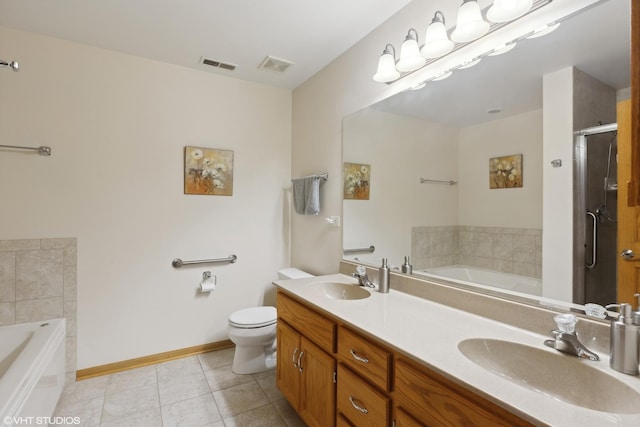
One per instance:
(208, 171)
(357, 179)
(505, 172)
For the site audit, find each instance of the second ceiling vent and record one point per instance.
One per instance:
(271, 63)
(217, 64)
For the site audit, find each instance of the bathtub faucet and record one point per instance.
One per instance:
(363, 279)
(566, 340)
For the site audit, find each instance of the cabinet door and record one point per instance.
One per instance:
(287, 372)
(403, 419)
(317, 388)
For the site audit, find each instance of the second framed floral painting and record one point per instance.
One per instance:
(208, 171)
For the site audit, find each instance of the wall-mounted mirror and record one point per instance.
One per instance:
(456, 169)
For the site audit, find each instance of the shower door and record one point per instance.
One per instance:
(596, 215)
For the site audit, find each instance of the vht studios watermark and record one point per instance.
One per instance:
(52, 421)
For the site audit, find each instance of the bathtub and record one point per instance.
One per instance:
(32, 366)
(488, 279)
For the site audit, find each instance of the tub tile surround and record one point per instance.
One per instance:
(193, 391)
(38, 281)
(507, 250)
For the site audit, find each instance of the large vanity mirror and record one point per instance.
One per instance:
(457, 175)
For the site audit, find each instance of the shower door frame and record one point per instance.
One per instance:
(580, 205)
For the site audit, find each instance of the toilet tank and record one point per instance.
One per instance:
(292, 273)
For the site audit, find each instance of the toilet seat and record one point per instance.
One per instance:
(254, 317)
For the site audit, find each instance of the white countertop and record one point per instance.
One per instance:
(430, 332)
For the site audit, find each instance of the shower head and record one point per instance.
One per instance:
(13, 64)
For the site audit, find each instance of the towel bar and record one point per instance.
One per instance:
(352, 251)
(177, 263)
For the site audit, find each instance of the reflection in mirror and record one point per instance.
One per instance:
(456, 170)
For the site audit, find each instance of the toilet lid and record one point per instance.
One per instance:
(253, 317)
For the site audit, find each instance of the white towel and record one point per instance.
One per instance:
(306, 195)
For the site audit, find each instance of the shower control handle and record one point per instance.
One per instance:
(627, 254)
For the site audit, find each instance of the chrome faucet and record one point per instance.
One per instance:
(566, 340)
(363, 279)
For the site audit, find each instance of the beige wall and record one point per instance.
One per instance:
(511, 207)
(118, 125)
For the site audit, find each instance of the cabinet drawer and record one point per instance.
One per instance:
(365, 358)
(309, 323)
(360, 402)
(434, 400)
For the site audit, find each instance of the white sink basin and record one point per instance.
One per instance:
(342, 291)
(563, 377)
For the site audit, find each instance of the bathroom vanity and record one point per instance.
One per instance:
(350, 359)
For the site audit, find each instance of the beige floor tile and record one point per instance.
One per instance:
(221, 378)
(134, 378)
(288, 414)
(182, 387)
(177, 368)
(126, 404)
(264, 416)
(88, 412)
(268, 385)
(240, 398)
(77, 391)
(148, 418)
(217, 359)
(194, 412)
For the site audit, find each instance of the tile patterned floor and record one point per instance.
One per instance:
(194, 391)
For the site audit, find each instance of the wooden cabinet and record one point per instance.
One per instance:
(365, 358)
(360, 403)
(430, 399)
(305, 373)
(376, 386)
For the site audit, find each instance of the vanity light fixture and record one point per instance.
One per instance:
(387, 71)
(508, 10)
(410, 57)
(418, 86)
(436, 40)
(442, 76)
(470, 25)
(470, 63)
(502, 49)
(544, 30)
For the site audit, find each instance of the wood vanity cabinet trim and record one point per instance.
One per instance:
(435, 400)
(365, 357)
(315, 326)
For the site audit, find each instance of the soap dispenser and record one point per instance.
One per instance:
(625, 342)
(383, 277)
(407, 268)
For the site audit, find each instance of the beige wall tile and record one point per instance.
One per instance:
(70, 282)
(7, 276)
(39, 274)
(19, 245)
(39, 309)
(7, 313)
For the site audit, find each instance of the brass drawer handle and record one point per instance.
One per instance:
(358, 407)
(358, 358)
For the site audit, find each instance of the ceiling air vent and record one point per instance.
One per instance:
(217, 64)
(271, 63)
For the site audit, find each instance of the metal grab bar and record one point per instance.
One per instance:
(177, 263)
(42, 150)
(594, 241)
(355, 250)
(437, 181)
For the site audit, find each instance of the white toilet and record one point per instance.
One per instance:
(253, 331)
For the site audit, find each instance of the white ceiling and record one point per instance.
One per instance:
(308, 33)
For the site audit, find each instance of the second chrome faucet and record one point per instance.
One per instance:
(566, 340)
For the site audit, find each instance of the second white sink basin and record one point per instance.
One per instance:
(563, 377)
(343, 291)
